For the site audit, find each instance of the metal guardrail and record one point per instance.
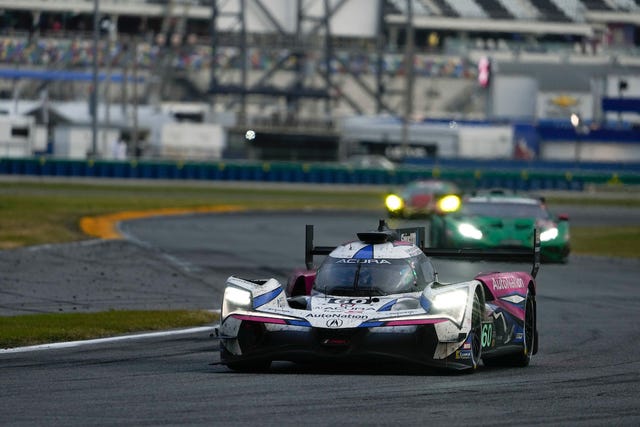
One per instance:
(294, 172)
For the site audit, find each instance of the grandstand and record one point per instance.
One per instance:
(294, 71)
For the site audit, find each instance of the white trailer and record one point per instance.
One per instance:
(17, 135)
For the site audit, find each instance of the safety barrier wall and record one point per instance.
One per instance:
(557, 166)
(471, 176)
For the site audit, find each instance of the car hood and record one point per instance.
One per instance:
(504, 231)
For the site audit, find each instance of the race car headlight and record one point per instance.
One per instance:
(393, 202)
(450, 203)
(549, 234)
(235, 299)
(451, 303)
(469, 231)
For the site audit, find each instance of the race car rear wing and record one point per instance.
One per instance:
(416, 235)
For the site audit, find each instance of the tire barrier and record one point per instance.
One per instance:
(319, 173)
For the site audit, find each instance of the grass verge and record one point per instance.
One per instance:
(17, 331)
(33, 213)
(614, 241)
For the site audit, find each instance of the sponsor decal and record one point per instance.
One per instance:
(346, 302)
(362, 261)
(463, 354)
(346, 308)
(335, 316)
(348, 305)
(334, 323)
(564, 101)
(508, 282)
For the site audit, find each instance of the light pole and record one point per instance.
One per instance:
(622, 86)
(575, 122)
(580, 129)
(409, 76)
(94, 92)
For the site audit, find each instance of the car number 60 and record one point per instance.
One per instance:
(487, 334)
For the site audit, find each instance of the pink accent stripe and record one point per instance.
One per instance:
(259, 319)
(414, 322)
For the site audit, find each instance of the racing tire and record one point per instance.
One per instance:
(529, 345)
(523, 358)
(476, 332)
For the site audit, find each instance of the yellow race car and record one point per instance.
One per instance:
(423, 198)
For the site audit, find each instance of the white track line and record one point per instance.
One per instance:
(69, 344)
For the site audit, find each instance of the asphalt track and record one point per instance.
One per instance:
(586, 373)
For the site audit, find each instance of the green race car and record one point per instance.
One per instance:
(498, 220)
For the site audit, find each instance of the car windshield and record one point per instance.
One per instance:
(430, 187)
(369, 277)
(504, 210)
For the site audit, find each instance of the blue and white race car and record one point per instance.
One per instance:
(379, 298)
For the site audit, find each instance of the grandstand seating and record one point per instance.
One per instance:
(446, 9)
(400, 6)
(467, 8)
(541, 10)
(600, 5)
(78, 54)
(521, 10)
(454, 57)
(549, 11)
(495, 9)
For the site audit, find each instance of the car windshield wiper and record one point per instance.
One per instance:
(356, 277)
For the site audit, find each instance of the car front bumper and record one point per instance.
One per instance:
(353, 345)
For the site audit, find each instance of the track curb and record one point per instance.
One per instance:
(106, 226)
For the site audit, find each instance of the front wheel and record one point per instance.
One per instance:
(476, 331)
